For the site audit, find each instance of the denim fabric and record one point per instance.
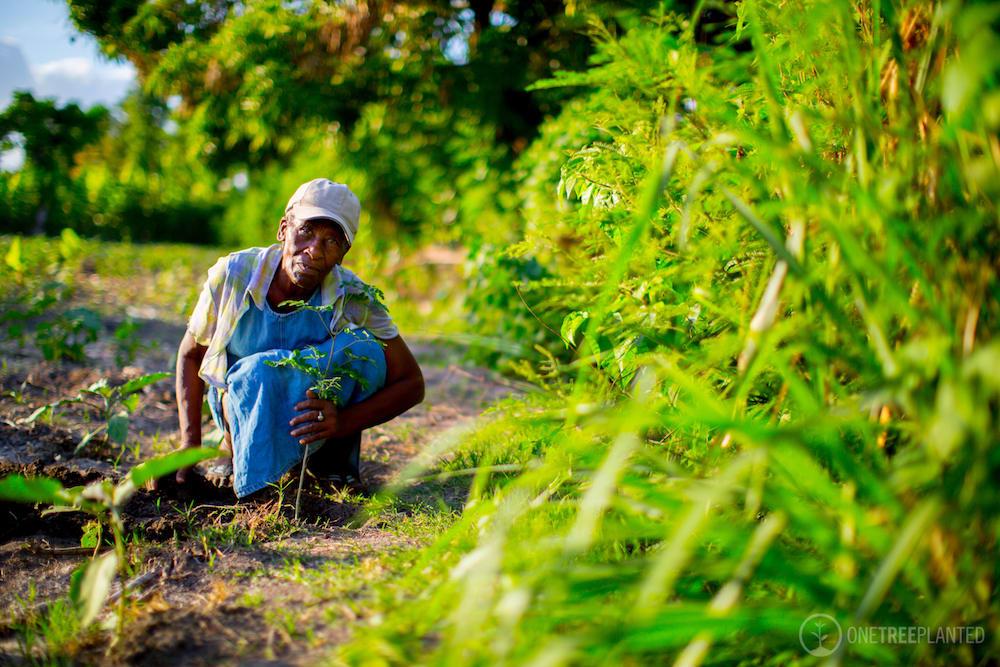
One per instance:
(261, 329)
(260, 399)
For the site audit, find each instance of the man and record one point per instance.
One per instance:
(242, 335)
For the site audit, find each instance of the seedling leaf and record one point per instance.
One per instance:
(95, 586)
(168, 463)
(31, 489)
(141, 382)
(118, 428)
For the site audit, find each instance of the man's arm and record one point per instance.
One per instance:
(190, 390)
(404, 388)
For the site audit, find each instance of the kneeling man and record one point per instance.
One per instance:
(250, 350)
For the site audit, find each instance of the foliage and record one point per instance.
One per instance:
(751, 245)
(104, 501)
(50, 136)
(328, 378)
(127, 342)
(125, 177)
(55, 628)
(37, 278)
(112, 404)
(774, 267)
(411, 104)
(64, 336)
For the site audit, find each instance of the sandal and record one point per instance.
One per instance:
(220, 473)
(349, 482)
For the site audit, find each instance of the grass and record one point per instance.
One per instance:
(798, 433)
(50, 633)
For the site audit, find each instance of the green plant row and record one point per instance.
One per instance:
(765, 312)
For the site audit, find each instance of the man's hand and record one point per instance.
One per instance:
(319, 418)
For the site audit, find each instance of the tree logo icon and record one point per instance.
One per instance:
(820, 635)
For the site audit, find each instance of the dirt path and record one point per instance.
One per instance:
(224, 582)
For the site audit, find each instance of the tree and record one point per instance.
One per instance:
(51, 136)
(420, 93)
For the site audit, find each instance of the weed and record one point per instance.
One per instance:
(51, 629)
(284, 621)
(772, 392)
(238, 525)
(127, 343)
(251, 600)
(291, 570)
(16, 395)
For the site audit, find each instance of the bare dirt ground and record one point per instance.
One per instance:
(221, 582)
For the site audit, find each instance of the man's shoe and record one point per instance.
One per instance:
(342, 482)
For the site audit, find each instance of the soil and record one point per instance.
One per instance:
(217, 580)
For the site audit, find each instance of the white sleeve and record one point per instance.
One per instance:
(375, 318)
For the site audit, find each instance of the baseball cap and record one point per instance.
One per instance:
(321, 198)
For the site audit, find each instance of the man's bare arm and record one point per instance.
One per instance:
(190, 390)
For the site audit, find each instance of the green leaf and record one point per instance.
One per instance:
(100, 388)
(138, 383)
(75, 579)
(31, 489)
(69, 244)
(13, 256)
(571, 324)
(168, 463)
(95, 586)
(765, 231)
(913, 532)
(40, 412)
(37, 413)
(130, 403)
(118, 428)
(91, 534)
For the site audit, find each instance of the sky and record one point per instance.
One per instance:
(41, 50)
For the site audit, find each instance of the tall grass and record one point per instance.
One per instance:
(781, 255)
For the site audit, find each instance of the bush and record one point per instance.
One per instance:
(778, 263)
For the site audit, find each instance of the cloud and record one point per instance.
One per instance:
(14, 72)
(83, 80)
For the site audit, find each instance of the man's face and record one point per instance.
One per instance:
(310, 249)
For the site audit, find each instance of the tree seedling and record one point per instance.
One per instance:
(65, 336)
(113, 404)
(104, 500)
(327, 380)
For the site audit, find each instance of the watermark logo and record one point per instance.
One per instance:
(820, 635)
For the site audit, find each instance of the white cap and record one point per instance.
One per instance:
(321, 198)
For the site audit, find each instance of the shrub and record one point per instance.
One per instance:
(779, 265)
